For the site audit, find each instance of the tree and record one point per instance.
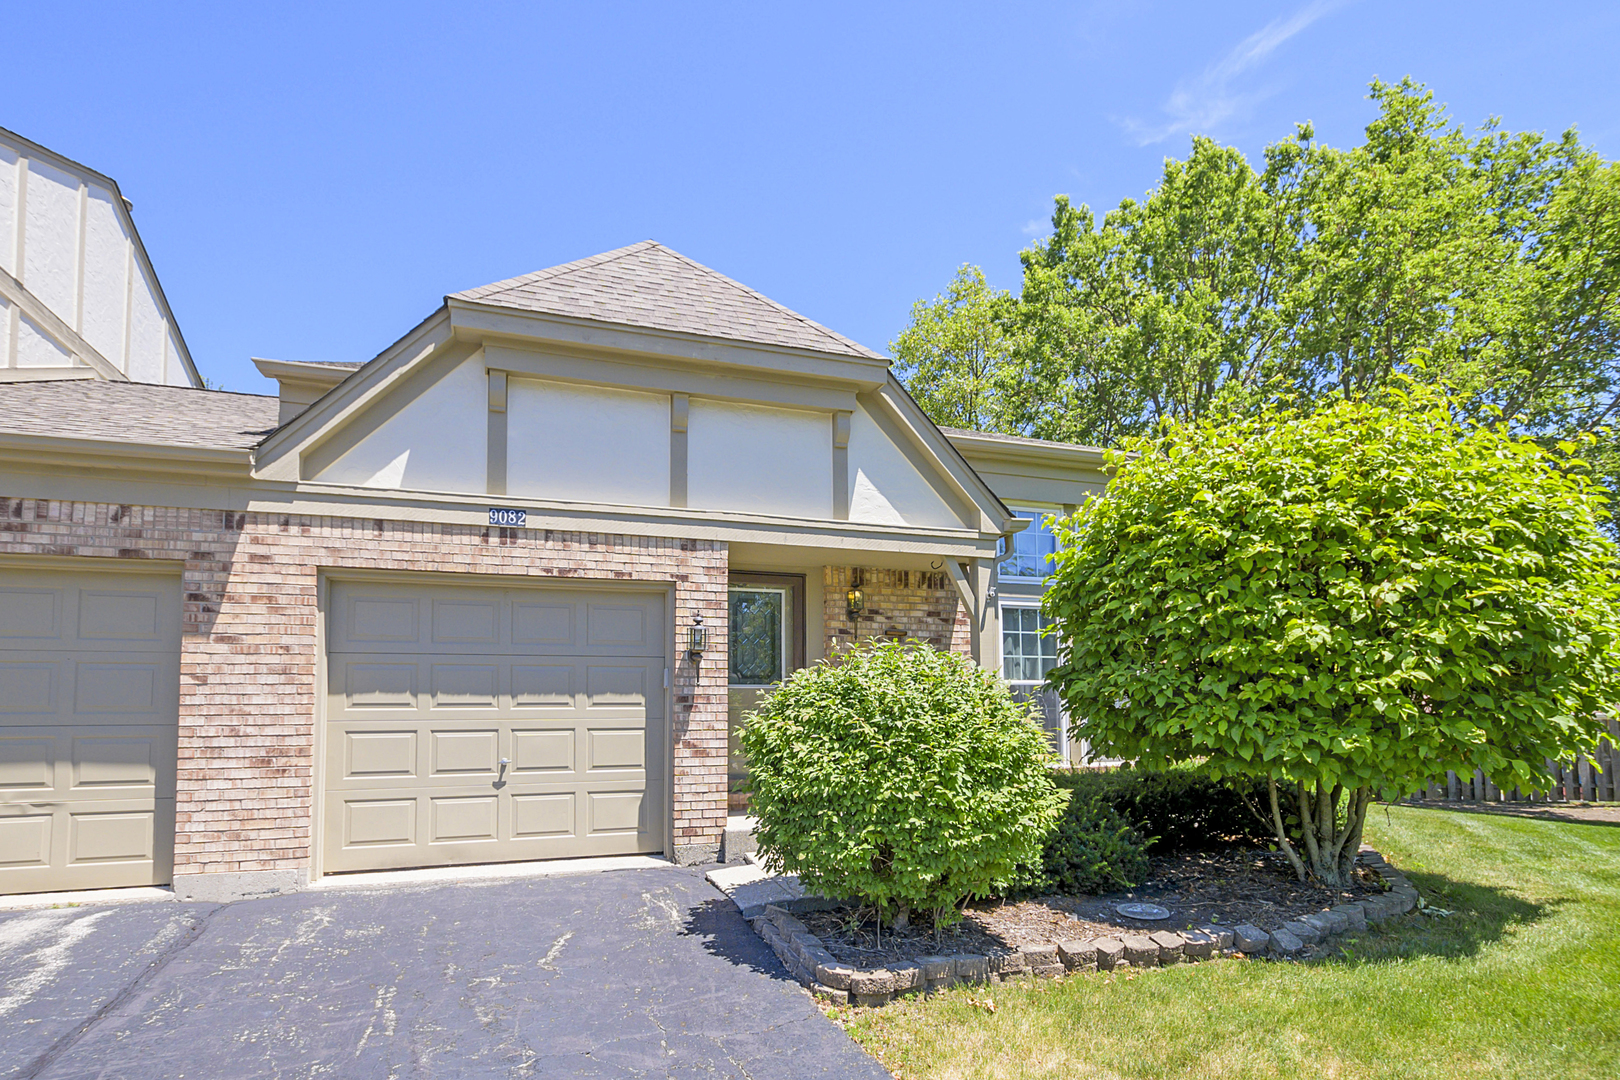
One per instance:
(1487, 262)
(954, 356)
(1345, 604)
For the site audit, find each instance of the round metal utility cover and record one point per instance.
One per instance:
(1142, 911)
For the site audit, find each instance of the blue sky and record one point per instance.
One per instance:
(312, 179)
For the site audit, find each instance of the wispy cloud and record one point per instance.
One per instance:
(1217, 93)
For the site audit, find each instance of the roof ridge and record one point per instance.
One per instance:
(757, 295)
(550, 273)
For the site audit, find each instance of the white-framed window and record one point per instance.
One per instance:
(1028, 655)
(1028, 552)
(759, 635)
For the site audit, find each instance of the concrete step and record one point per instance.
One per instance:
(738, 842)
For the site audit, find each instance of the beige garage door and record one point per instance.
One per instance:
(89, 695)
(469, 724)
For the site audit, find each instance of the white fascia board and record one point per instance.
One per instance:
(358, 390)
(328, 375)
(479, 321)
(1034, 451)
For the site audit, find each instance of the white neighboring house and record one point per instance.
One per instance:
(78, 295)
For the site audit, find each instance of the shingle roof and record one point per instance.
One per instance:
(649, 285)
(137, 413)
(1017, 440)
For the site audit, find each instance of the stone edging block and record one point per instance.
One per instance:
(810, 962)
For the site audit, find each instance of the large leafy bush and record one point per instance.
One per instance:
(1344, 604)
(902, 776)
(1180, 808)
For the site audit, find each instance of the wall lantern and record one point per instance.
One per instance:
(697, 638)
(856, 601)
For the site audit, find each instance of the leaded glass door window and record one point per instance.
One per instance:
(759, 635)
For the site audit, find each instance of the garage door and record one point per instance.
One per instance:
(89, 696)
(469, 724)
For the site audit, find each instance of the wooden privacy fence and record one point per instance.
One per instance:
(1595, 779)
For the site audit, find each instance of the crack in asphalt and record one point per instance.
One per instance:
(174, 948)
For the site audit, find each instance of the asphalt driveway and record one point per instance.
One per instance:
(633, 973)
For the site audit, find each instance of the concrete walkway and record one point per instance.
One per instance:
(635, 973)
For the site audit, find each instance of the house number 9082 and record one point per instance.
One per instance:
(509, 518)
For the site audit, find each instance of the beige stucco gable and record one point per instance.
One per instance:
(522, 408)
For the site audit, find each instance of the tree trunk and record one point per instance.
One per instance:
(1329, 838)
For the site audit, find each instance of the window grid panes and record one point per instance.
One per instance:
(758, 636)
(1028, 551)
(1027, 654)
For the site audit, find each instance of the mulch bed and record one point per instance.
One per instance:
(1229, 888)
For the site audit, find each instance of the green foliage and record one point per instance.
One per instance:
(1489, 262)
(1092, 850)
(900, 775)
(1350, 602)
(1180, 808)
(954, 356)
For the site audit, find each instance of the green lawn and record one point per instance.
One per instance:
(1522, 981)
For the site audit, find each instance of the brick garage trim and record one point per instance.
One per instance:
(249, 652)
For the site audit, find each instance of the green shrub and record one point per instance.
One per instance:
(1092, 850)
(902, 776)
(1179, 809)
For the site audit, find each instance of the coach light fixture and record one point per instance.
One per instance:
(697, 638)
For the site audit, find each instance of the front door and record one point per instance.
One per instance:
(767, 645)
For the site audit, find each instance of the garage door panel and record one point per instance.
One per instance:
(466, 622)
(543, 686)
(460, 753)
(27, 760)
(564, 695)
(110, 836)
(463, 819)
(373, 620)
(25, 840)
(464, 686)
(542, 623)
(372, 685)
(544, 816)
(89, 701)
(124, 615)
(542, 751)
(29, 686)
(31, 613)
(379, 754)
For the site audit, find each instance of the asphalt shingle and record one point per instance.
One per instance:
(649, 285)
(137, 413)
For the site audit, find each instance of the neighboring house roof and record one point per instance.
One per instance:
(648, 285)
(1014, 440)
(62, 325)
(143, 413)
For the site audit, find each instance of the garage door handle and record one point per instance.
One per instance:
(505, 761)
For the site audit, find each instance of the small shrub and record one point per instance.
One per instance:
(1092, 850)
(902, 776)
(1178, 809)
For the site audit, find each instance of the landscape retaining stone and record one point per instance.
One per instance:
(809, 961)
(1078, 955)
(1307, 933)
(1200, 946)
(1250, 939)
(1354, 914)
(1284, 943)
(1171, 945)
(1141, 951)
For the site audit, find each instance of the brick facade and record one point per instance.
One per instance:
(902, 603)
(249, 650)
